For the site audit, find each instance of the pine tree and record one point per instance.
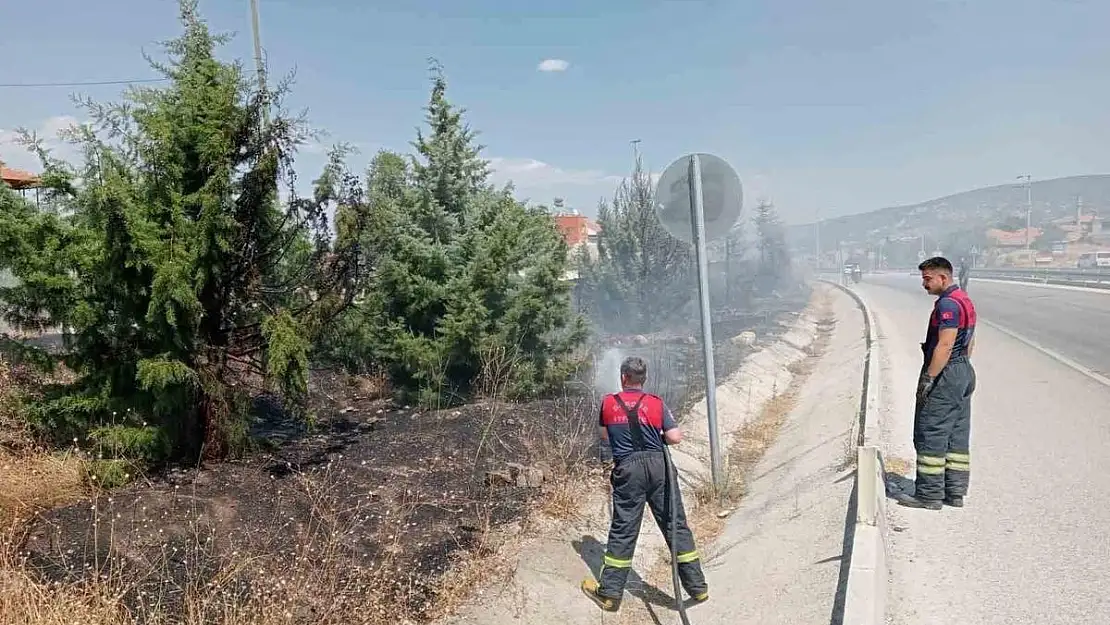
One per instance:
(182, 276)
(470, 283)
(643, 276)
(738, 270)
(774, 258)
(452, 171)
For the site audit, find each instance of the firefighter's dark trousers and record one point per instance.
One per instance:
(942, 433)
(641, 478)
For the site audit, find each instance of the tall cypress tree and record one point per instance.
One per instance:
(466, 272)
(181, 274)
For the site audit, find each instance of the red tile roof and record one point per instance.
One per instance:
(18, 179)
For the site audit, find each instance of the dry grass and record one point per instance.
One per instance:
(30, 478)
(491, 566)
(316, 582)
(26, 601)
(848, 452)
(756, 437)
(33, 481)
(898, 466)
(562, 500)
(372, 385)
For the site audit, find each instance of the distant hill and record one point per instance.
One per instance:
(958, 221)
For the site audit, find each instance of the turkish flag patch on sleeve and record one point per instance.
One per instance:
(946, 315)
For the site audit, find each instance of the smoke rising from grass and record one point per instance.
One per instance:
(607, 371)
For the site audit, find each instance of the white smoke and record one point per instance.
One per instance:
(607, 371)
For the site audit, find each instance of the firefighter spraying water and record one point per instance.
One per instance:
(698, 197)
(638, 426)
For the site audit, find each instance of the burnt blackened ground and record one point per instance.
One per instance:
(363, 512)
(370, 505)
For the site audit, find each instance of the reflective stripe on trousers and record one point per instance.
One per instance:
(942, 433)
(637, 480)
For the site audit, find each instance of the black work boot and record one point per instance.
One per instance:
(926, 504)
(955, 501)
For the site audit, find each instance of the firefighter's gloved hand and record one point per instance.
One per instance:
(924, 386)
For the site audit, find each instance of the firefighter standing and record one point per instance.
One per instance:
(942, 419)
(637, 425)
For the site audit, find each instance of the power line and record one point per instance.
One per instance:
(90, 83)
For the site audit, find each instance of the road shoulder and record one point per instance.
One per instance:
(779, 557)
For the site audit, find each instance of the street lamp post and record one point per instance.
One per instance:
(1028, 210)
(817, 242)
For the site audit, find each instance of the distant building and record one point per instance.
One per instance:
(1080, 227)
(18, 179)
(578, 231)
(1013, 238)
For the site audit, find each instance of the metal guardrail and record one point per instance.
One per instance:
(1097, 278)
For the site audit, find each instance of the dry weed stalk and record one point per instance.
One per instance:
(319, 580)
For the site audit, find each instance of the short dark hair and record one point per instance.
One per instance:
(935, 263)
(635, 369)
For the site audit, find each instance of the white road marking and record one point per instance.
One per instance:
(1062, 359)
(1062, 287)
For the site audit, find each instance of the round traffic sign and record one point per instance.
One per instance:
(722, 197)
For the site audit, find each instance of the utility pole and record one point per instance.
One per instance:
(259, 67)
(817, 242)
(1028, 210)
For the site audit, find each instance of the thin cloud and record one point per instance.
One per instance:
(530, 172)
(50, 131)
(538, 181)
(553, 65)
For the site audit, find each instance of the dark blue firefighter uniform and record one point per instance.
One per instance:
(635, 422)
(942, 420)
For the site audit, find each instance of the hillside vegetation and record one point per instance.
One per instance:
(959, 221)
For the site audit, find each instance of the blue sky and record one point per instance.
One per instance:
(837, 107)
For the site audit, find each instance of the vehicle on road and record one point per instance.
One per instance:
(853, 271)
(1093, 259)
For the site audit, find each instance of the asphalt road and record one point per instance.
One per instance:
(1033, 543)
(1074, 323)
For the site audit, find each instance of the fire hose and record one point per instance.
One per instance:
(672, 499)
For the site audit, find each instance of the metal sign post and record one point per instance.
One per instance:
(705, 190)
(697, 216)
